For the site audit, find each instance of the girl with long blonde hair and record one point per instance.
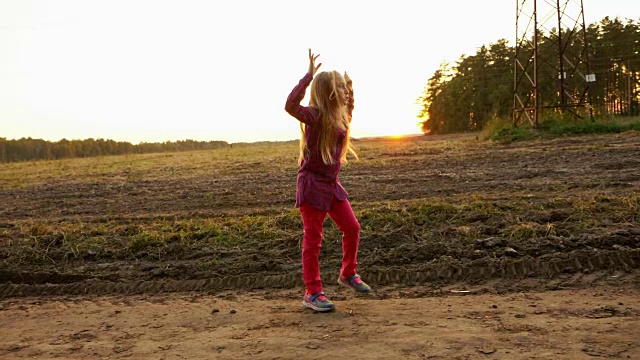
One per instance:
(324, 145)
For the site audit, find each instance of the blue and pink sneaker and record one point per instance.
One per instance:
(354, 282)
(317, 302)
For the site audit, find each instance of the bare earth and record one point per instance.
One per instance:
(476, 250)
(594, 317)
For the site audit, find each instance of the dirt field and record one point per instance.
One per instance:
(476, 249)
(597, 321)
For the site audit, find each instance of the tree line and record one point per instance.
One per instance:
(27, 149)
(464, 96)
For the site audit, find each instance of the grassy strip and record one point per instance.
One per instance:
(385, 226)
(502, 130)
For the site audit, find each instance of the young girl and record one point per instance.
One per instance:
(323, 148)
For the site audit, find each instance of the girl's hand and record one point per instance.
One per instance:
(312, 66)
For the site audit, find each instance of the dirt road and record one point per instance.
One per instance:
(579, 320)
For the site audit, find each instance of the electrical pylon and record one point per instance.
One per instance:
(551, 64)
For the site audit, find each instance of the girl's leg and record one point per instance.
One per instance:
(342, 214)
(312, 220)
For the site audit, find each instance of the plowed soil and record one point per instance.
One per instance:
(475, 250)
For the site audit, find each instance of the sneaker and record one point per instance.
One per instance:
(354, 282)
(317, 302)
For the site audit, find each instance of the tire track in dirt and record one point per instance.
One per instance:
(441, 272)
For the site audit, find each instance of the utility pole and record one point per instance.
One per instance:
(525, 66)
(536, 70)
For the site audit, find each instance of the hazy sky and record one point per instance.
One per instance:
(156, 70)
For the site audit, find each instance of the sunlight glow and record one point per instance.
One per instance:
(145, 70)
(398, 137)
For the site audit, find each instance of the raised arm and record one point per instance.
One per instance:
(303, 113)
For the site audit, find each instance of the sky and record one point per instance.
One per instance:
(167, 70)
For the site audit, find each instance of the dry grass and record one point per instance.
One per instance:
(231, 210)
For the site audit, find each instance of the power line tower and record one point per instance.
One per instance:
(551, 64)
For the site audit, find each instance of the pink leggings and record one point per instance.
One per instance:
(312, 219)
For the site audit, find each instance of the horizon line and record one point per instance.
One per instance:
(187, 139)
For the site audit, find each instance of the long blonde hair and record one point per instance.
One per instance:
(350, 105)
(333, 115)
